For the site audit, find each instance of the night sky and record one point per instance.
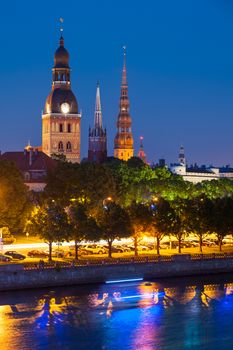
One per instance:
(179, 62)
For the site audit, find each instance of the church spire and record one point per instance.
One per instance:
(97, 145)
(98, 112)
(182, 159)
(141, 153)
(123, 143)
(124, 73)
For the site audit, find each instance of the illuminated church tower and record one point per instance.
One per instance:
(123, 143)
(97, 149)
(61, 119)
(141, 152)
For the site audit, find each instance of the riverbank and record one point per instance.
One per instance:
(18, 276)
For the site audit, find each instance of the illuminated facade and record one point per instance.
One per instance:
(97, 146)
(61, 119)
(123, 143)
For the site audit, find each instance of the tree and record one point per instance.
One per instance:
(141, 218)
(114, 223)
(50, 224)
(83, 226)
(199, 215)
(222, 218)
(163, 220)
(178, 220)
(14, 198)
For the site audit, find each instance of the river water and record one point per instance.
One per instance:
(173, 314)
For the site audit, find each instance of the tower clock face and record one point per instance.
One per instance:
(65, 108)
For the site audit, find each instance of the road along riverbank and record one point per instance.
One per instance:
(19, 276)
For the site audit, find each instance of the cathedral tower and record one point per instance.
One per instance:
(61, 119)
(123, 143)
(97, 147)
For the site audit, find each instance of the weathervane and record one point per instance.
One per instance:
(61, 20)
(124, 49)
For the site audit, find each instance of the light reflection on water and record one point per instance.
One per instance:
(175, 314)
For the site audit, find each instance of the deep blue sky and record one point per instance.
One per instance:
(179, 61)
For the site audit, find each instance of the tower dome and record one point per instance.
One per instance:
(59, 97)
(61, 57)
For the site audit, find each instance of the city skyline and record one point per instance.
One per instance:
(180, 84)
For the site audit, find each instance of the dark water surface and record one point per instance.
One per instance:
(174, 314)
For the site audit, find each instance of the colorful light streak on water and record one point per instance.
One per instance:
(174, 314)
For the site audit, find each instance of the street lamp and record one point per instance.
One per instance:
(106, 202)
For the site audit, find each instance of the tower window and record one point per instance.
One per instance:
(60, 147)
(69, 128)
(61, 127)
(68, 147)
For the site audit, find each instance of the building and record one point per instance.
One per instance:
(97, 145)
(123, 143)
(141, 152)
(34, 166)
(61, 119)
(195, 173)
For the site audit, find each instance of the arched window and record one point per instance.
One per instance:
(68, 147)
(69, 128)
(60, 147)
(61, 127)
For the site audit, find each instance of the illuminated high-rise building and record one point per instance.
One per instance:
(123, 143)
(97, 145)
(61, 118)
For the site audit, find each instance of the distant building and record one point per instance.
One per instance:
(141, 152)
(97, 145)
(61, 119)
(123, 143)
(195, 173)
(34, 166)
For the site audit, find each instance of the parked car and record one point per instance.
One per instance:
(169, 245)
(37, 254)
(4, 258)
(14, 255)
(81, 251)
(208, 243)
(123, 248)
(56, 253)
(95, 249)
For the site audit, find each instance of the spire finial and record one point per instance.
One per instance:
(141, 141)
(61, 20)
(124, 79)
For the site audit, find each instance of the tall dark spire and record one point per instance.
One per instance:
(123, 143)
(98, 112)
(97, 149)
